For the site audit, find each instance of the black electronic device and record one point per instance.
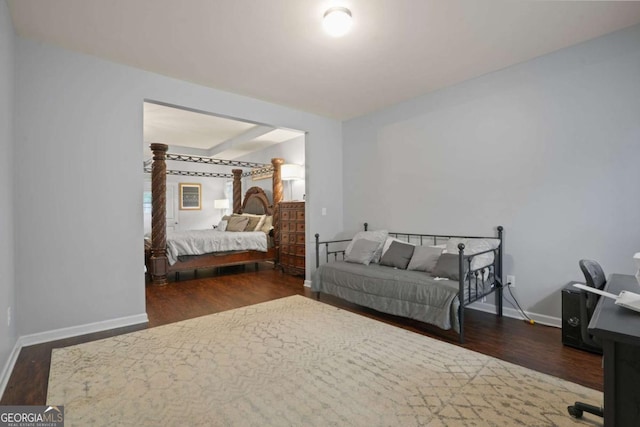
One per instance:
(571, 320)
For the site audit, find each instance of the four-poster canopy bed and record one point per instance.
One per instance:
(255, 202)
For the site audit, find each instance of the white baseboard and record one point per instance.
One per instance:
(515, 314)
(88, 328)
(307, 283)
(8, 367)
(58, 334)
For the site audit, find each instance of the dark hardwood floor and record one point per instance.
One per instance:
(533, 346)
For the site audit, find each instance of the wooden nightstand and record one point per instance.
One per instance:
(292, 237)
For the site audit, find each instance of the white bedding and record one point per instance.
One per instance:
(198, 242)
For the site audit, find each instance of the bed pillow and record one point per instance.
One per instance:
(474, 246)
(252, 218)
(377, 236)
(398, 255)
(267, 225)
(424, 258)
(362, 251)
(254, 221)
(237, 223)
(447, 266)
(222, 225)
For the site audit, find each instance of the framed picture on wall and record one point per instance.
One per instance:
(190, 196)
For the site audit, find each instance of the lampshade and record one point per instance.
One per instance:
(337, 21)
(221, 204)
(290, 172)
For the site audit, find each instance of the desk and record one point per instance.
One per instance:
(618, 329)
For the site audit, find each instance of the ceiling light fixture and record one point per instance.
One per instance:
(337, 21)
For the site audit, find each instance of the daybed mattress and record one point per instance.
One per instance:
(412, 294)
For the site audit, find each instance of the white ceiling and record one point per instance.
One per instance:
(202, 134)
(276, 50)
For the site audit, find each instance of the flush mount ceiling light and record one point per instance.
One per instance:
(337, 21)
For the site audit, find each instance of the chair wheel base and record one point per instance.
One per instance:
(575, 412)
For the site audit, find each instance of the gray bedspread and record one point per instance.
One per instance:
(199, 242)
(412, 294)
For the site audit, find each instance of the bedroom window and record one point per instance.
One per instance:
(146, 202)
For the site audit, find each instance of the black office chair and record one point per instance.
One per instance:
(595, 278)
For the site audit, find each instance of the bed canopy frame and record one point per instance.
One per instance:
(158, 265)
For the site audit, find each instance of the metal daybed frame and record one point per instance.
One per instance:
(473, 286)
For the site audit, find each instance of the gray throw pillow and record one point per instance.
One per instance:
(398, 255)
(362, 252)
(447, 266)
(377, 236)
(424, 258)
(237, 223)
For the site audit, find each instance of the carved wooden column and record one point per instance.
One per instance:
(158, 259)
(277, 198)
(237, 190)
(277, 181)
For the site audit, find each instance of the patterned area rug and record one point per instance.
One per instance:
(299, 362)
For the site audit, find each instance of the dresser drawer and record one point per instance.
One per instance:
(291, 228)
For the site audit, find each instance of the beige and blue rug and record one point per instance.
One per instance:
(298, 362)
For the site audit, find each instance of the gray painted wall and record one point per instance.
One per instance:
(550, 149)
(7, 278)
(79, 227)
(292, 151)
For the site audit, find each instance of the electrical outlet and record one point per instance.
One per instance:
(511, 281)
(8, 316)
